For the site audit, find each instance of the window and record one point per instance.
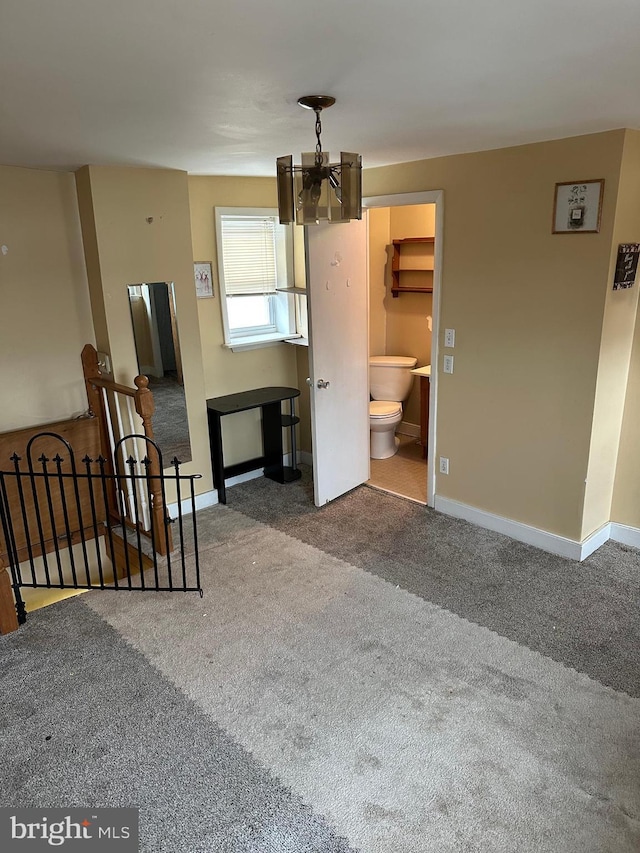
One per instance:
(255, 257)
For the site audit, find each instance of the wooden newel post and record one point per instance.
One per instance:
(145, 407)
(91, 370)
(8, 615)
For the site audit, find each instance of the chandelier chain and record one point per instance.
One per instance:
(318, 143)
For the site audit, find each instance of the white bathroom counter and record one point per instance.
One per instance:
(422, 371)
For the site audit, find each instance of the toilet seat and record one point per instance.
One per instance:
(384, 408)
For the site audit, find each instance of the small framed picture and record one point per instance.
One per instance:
(203, 275)
(577, 207)
(626, 266)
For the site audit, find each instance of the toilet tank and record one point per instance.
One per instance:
(390, 377)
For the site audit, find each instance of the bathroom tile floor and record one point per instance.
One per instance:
(404, 474)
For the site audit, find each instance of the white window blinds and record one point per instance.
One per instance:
(249, 254)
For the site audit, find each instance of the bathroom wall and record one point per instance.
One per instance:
(408, 331)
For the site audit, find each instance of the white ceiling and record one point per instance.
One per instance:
(211, 87)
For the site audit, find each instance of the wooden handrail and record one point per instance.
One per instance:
(145, 407)
(109, 384)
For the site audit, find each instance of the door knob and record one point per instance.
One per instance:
(322, 383)
(309, 382)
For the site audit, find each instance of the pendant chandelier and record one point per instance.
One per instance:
(317, 189)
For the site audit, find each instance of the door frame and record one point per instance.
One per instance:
(430, 197)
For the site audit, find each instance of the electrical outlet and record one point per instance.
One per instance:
(448, 364)
(444, 465)
(450, 337)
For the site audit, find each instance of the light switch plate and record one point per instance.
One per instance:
(448, 364)
(104, 362)
(449, 337)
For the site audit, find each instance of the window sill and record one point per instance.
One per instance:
(258, 341)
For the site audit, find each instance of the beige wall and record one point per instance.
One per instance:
(379, 261)
(45, 317)
(92, 260)
(626, 495)
(542, 343)
(141, 332)
(407, 324)
(615, 352)
(124, 248)
(226, 372)
(303, 406)
(527, 306)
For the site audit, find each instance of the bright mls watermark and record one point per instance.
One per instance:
(34, 830)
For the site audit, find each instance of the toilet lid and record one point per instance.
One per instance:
(383, 408)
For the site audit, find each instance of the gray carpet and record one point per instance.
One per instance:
(306, 704)
(170, 422)
(88, 721)
(584, 615)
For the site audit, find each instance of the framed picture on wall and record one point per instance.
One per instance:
(203, 275)
(577, 207)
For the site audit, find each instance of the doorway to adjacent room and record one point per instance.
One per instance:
(405, 238)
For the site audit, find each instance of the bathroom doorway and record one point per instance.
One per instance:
(404, 256)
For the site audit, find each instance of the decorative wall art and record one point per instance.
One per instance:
(626, 265)
(203, 275)
(577, 207)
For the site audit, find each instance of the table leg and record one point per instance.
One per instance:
(217, 460)
(272, 441)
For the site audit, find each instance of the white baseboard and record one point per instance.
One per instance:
(202, 502)
(625, 535)
(594, 541)
(211, 498)
(542, 539)
(406, 428)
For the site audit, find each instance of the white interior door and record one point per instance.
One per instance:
(338, 356)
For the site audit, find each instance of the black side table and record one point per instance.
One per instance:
(269, 400)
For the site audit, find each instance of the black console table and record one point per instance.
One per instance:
(273, 421)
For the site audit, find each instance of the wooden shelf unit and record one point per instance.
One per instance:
(412, 255)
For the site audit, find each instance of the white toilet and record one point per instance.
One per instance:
(390, 382)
